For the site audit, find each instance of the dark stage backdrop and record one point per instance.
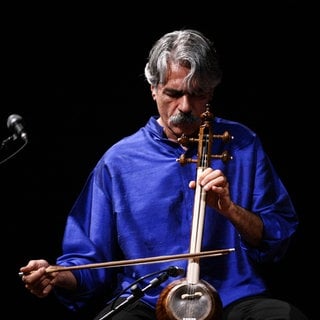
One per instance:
(77, 80)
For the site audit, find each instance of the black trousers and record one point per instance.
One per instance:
(252, 308)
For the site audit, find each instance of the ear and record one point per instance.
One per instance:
(153, 92)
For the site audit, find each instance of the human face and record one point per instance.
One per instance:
(179, 109)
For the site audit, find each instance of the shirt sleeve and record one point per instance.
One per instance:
(273, 204)
(89, 239)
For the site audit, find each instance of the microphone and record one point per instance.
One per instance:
(14, 123)
(137, 292)
(175, 271)
(172, 271)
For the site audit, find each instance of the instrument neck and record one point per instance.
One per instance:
(193, 270)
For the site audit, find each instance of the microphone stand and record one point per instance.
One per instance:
(137, 293)
(14, 141)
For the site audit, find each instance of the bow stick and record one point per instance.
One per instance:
(111, 264)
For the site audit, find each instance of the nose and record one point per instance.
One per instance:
(185, 104)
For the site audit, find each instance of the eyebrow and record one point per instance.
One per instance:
(170, 90)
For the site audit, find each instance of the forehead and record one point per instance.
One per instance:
(177, 80)
(176, 75)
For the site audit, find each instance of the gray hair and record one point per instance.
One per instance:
(188, 48)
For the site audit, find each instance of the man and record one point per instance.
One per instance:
(138, 203)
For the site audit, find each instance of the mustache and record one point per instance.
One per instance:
(184, 118)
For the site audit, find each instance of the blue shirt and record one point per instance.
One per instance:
(137, 203)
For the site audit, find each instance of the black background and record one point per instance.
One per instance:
(75, 75)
